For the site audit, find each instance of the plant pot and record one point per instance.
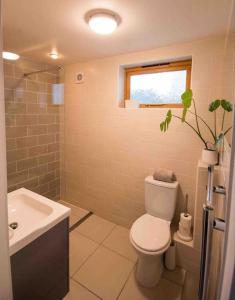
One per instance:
(210, 156)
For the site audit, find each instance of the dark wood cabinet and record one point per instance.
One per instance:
(40, 271)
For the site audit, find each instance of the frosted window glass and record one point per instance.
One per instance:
(158, 88)
(57, 93)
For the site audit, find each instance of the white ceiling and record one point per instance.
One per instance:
(34, 28)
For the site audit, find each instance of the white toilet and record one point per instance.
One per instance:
(150, 234)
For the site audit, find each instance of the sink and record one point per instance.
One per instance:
(11, 233)
(33, 215)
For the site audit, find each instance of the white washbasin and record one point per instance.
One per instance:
(34, 214)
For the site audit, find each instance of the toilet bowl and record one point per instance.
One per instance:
(150, 237)
(150, 234)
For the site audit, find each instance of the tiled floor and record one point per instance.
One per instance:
(190, 287)
(102, 266)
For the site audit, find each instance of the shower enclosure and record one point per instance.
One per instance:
(34, 130)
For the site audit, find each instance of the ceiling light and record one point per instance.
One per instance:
(54, 55)
(103, 23)
(10, 55)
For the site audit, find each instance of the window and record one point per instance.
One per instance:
(158, 86)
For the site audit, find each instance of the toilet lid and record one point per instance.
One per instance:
(150, 233)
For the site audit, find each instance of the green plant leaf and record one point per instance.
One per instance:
(227, 106)
(164, 125)
(214, 105)
(168, 118)
(187, 97)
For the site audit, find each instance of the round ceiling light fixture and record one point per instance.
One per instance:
(10, 55)
(103, 23)
(54, 55)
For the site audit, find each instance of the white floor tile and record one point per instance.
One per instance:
(78, 292)
(164, 290)
(96, 228)
(80, 249)
(104, 273)
(119, 241)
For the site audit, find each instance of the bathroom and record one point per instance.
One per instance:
(107, 192)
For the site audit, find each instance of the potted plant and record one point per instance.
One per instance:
(209, 152)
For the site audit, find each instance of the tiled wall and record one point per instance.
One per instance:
(110, 150)
(32, 129)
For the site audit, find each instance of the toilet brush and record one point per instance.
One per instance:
(186, 206)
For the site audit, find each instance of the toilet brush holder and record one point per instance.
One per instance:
(170, 258)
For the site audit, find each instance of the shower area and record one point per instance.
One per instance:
(34, 126)
(34, 116)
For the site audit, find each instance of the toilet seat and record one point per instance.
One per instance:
(151, 234)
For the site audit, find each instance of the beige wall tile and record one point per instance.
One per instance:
(37, 129)
(47, 158)
(26, 142)
(10, 120)
(15, 155)
(15, 178)
(39, 170)
(15, 108)
(15, 132)
(11, 168)
(11, 144)
(46, 178)
(46, 139)
(26, 119)
(38, 150)
(47, 119)
(26, 163)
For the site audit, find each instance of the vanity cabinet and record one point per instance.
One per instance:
(40, 270)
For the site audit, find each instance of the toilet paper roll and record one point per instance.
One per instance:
(185, 231)
(185, 220)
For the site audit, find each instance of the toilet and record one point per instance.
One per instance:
(150, 234)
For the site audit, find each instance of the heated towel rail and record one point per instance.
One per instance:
(209, 223)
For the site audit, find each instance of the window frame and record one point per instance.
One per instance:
(164, 67)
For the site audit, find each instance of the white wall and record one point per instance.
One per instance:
(110, 150)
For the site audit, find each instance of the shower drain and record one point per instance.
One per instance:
(13, 225)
